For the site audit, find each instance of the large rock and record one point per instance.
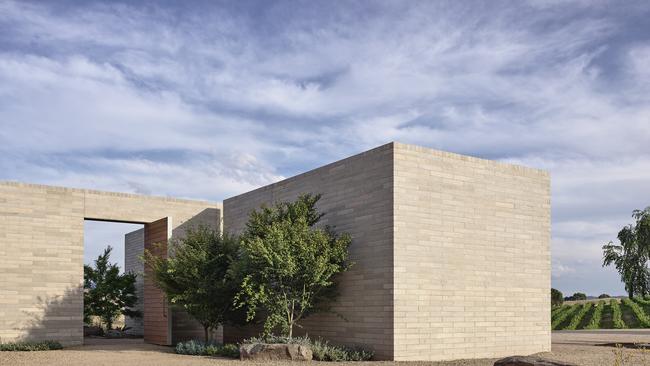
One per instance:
(272, 352)
(530, 361)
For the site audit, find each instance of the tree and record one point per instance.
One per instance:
(288, 265)
(556, 297)
(579, 296)
(195, 277)
(604, 296)
(107, 293)
(630, 257)
(576, 296)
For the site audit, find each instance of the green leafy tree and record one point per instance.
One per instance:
(577, 296)
(556, 297)
(630, 257)
(604, 296)
(288, 264)
(195, 277)
(107, 293)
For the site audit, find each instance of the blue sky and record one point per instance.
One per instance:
(210, 99)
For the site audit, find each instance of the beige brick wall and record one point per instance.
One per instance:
(133, 250)
(452, 252)
(357, 198)
(472, 257)
(41, 251)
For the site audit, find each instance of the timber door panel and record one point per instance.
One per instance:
(157, 319)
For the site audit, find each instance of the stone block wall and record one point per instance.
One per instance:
(41, 251)
(472, 257)
(452, 253)
(357, 197)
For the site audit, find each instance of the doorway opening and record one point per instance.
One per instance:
(126, 243)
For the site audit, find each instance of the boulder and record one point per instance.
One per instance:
(273, 352)
(530, 361)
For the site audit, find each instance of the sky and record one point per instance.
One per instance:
(208, 99)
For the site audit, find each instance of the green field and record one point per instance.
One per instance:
(603, 314)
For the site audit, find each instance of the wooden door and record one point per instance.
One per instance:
(157, 317)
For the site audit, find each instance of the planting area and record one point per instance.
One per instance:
(604, 314)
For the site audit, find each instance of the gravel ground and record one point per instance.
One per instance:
(576, 347)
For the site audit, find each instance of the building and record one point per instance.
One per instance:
(452, 255)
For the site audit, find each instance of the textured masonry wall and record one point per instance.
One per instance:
(452, 253)
(41, 251)
(472, 257)
(357, 198)
(133, 249)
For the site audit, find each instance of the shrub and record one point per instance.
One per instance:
(577, 318)
(642, 301)
(604, 296)
(321, 349)
(31, 346)
(617, 315)
(594, 322)
(198, 348)
(558, 310)
(638, 312)
(562, 316)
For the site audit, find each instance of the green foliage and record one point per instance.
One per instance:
(321, 349)
(642, 301)
(562, 316)
(31, 346)
(630, 257)
(577, 318)
(558, 310)
(195, 276)
(107, 293)
(556, 297)
(594, 322)
(577, 296)
(617, 315)
(604, 296)
(198, 348)
(641, 316)
(288, 265)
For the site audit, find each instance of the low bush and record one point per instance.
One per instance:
(642, 301)
(558, 310)
(31, 346)
(564, 315)
(321, 349)
(577, 318)
(617, 315)
(198, 348)
(643, 319)
(594, 322)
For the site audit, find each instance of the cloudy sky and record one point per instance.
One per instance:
(210, 99)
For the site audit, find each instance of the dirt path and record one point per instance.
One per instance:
(577, 347)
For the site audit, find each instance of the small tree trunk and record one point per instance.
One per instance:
(206, 334)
